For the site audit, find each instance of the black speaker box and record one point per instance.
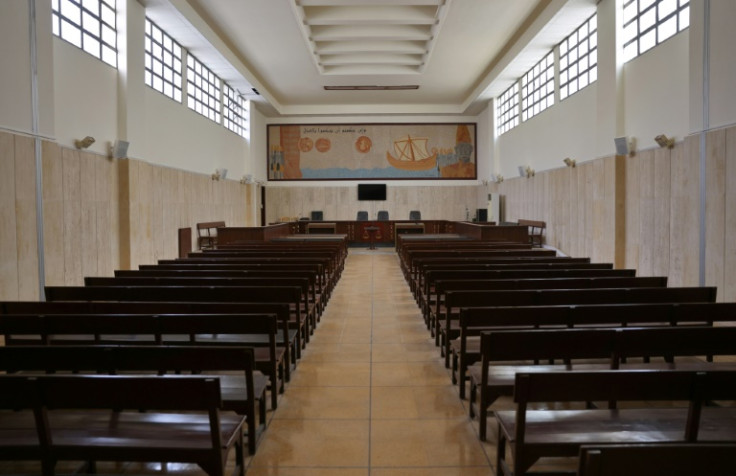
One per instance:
(481, 214)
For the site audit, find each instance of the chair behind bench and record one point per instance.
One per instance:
(207, 234)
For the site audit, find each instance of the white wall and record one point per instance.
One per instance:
(566, 129)
(180, 138)
(15, 68)
(88, 103)
(86, 97)
(722, 63)
(654, 94)
(657, 92)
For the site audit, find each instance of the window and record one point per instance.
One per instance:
(579, 58)
(203, 89)
(538, 87)
(508, 109)
(233, 111)
(163, 62)
(647, 23)
(89, 25)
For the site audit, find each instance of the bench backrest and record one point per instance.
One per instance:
(175, 293)
(113, 358)
(596, 314)
(181, 393)
(625, 385)
(457, 299)
(612, 343)
(713, 459)
(442, 286)
(118, 328)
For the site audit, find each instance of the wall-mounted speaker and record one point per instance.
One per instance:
(622, 146)
(119, 149)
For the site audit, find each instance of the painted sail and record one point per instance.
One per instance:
(412, 154)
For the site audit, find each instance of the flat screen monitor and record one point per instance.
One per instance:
(371, 191)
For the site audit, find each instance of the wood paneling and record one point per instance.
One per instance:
(8, 240)
(684, 213)
(715, 208)
(341, 203)
(729, 261)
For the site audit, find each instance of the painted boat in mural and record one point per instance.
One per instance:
(412, 154)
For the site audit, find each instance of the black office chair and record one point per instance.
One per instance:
(362, 216)
(415, 215)
(316, 216)
(383, 215)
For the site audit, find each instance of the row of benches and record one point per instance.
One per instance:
(249, 311)
(517, 324)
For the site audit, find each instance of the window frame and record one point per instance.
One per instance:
(507, 109)
(632, 47)
(196, 93)
(569, 76)
(536, 93)
(104, 41)
(234, 118)
(150, 74)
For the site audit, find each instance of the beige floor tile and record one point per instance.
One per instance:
(443, 471)
(314, 443)
(445, 442)
(415, 403)
(320, 351)
(350, 403)
(331, 374)
(402, 374)
(405, 352)
(302, 471)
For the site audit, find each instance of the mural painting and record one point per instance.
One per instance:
(372, 151)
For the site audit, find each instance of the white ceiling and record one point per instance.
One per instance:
(460, 53)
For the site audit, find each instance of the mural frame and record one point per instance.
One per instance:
(372, 151)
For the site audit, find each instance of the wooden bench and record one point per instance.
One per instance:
(428, 294)
(716, 459)
(449, 328)
(416, 258)
(286, 338)
(309, 309)
(576, 348)
(534, 434)
(317, 292)
(120, 418)
(207, 234)
(518, 264)
(323, 281)
(466, 349)
(536, 230)
(163, 329)
(442, 287)
(241, 294)
(329, 278)
(150, 329)
(242, 388)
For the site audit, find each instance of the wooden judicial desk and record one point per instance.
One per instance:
(383, 232)
(358, 231)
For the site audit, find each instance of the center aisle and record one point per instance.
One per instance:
(371, 394)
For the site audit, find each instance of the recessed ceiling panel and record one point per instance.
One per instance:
(391, 37)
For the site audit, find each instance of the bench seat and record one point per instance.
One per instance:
(122, 418)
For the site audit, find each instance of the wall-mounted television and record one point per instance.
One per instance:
(371, 191)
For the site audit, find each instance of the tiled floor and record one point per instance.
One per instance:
(370, 395)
